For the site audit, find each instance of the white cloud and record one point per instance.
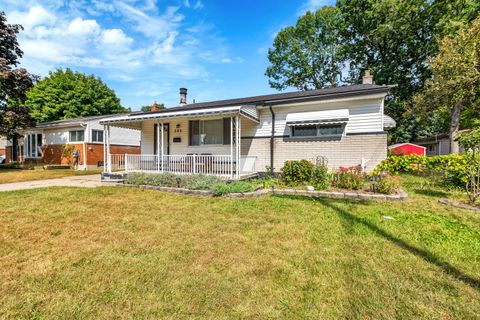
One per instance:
(312, 5)
(226, 60)
(152, 26)
(186, 3)
(83, 28)
(198, 5)
(115, 38)
(36, 16)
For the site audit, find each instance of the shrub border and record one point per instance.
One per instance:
(293, 192)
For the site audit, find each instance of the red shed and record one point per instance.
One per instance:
(407, 148)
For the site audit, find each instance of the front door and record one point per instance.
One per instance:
(166, 139)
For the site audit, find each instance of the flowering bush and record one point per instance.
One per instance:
(351, 178)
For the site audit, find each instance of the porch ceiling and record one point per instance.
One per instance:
(134, 121)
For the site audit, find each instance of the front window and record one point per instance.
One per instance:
(202, 132)
(97, 135)
(33, 145)
(314, 131)
(77, 136)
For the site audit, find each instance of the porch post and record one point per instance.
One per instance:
(109, 156)
(161, 130)
(104, 149)
(237, 153)
(231, 147)
(158, 145)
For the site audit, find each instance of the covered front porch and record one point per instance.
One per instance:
(191, 141)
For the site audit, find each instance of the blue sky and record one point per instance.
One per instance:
(145, 50)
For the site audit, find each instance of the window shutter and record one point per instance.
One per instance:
(226, 130)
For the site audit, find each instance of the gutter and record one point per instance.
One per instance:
(85, 135)
(272, 140)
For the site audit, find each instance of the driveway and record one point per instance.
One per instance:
(89, 181)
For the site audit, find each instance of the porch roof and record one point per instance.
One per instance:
(134, 120)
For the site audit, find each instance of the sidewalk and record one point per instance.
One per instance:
(89, 181)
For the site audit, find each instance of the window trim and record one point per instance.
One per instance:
(76, 141)
(93, 135)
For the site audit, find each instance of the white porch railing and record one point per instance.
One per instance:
(218, 165)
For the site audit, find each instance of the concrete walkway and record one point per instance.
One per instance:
(89, 181)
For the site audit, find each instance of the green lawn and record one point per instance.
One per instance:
(116, 252)
(19, 175)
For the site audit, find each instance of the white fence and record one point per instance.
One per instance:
(219, 165)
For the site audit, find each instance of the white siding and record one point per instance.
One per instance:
(58, 135)
(178, 148)
(365, 117)
(118, 136)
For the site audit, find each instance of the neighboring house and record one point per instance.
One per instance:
(3, 145)
(239, 137)
(436, 145)
(407, 148)
(48, 142)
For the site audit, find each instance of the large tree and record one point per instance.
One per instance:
(393, 38)
(67, 94)
(308, 55)
(454, 90)
(14, 82)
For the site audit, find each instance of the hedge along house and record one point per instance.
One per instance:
(239, 137)
(49, 143)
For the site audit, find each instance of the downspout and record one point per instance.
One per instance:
(272, 141)
(84, 145)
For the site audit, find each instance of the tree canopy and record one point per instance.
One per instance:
(309, 55)
(14, 82)
(67, 94)
(454, 90)
(393, 38)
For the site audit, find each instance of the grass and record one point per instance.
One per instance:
(20, 175)
(115, 252)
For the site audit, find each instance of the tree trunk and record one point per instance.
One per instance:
(455, 126)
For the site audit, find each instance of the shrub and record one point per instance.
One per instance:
(199, 182)
(193, 182)
(350, 178)
(452, 167)
(387, 184)
(297, 171)
(320, 178)
(233, 187)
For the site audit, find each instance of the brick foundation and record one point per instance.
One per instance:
(53, 154)
(346, 151)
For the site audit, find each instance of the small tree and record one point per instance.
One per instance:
(470, 141)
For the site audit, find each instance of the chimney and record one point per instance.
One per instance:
(367, 77)
(154, 107)
(183, 96)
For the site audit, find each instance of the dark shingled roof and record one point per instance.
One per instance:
(278, 98)
(73, 121)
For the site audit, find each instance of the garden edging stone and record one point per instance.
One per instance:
(294, 192)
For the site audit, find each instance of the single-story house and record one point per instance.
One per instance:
(3, 145)
(436, 145)
(238, 137)
(64, 141)
(407, 148)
